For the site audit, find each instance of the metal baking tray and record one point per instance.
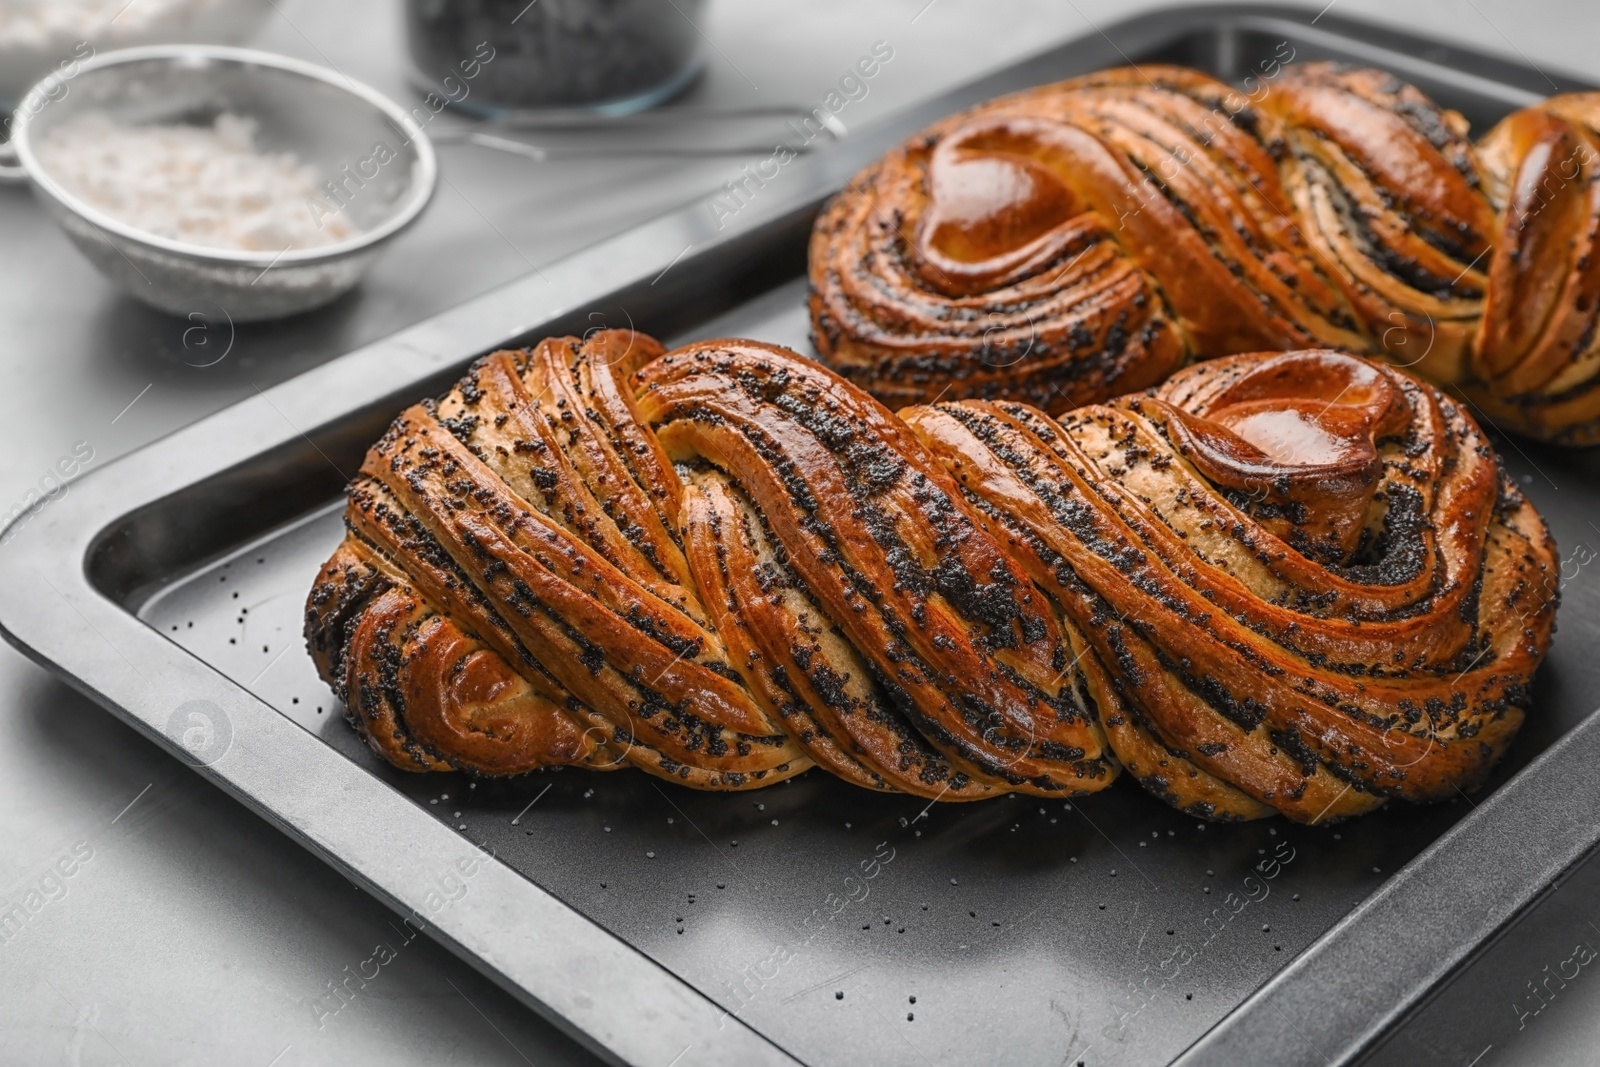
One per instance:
(665, 927)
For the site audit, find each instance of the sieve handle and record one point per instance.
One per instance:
(12, 172)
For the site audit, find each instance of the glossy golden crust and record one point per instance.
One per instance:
(561, 561)
(946, 622)
(1084, 239)
(1537, 356)
(1294, 583)
(1305, 571)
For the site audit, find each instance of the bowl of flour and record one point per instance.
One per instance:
(202, 176)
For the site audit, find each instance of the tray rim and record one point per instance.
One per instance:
(551, 954)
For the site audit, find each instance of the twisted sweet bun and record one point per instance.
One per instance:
(1292, 582)
(1085, 239)
(1305, 573)
(530, 580)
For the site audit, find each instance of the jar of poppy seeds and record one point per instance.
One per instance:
(615, 56)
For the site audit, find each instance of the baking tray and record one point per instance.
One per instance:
(665, 927)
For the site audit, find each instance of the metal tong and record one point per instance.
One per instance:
(501, 132)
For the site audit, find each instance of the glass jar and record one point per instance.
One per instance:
(616, 56)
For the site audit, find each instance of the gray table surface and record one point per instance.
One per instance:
(196, 934)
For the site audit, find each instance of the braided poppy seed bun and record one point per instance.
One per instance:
(1284, 582)
(723, 569)
(1084, 239)
(1305, 573)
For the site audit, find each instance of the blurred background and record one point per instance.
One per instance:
(196, 933)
